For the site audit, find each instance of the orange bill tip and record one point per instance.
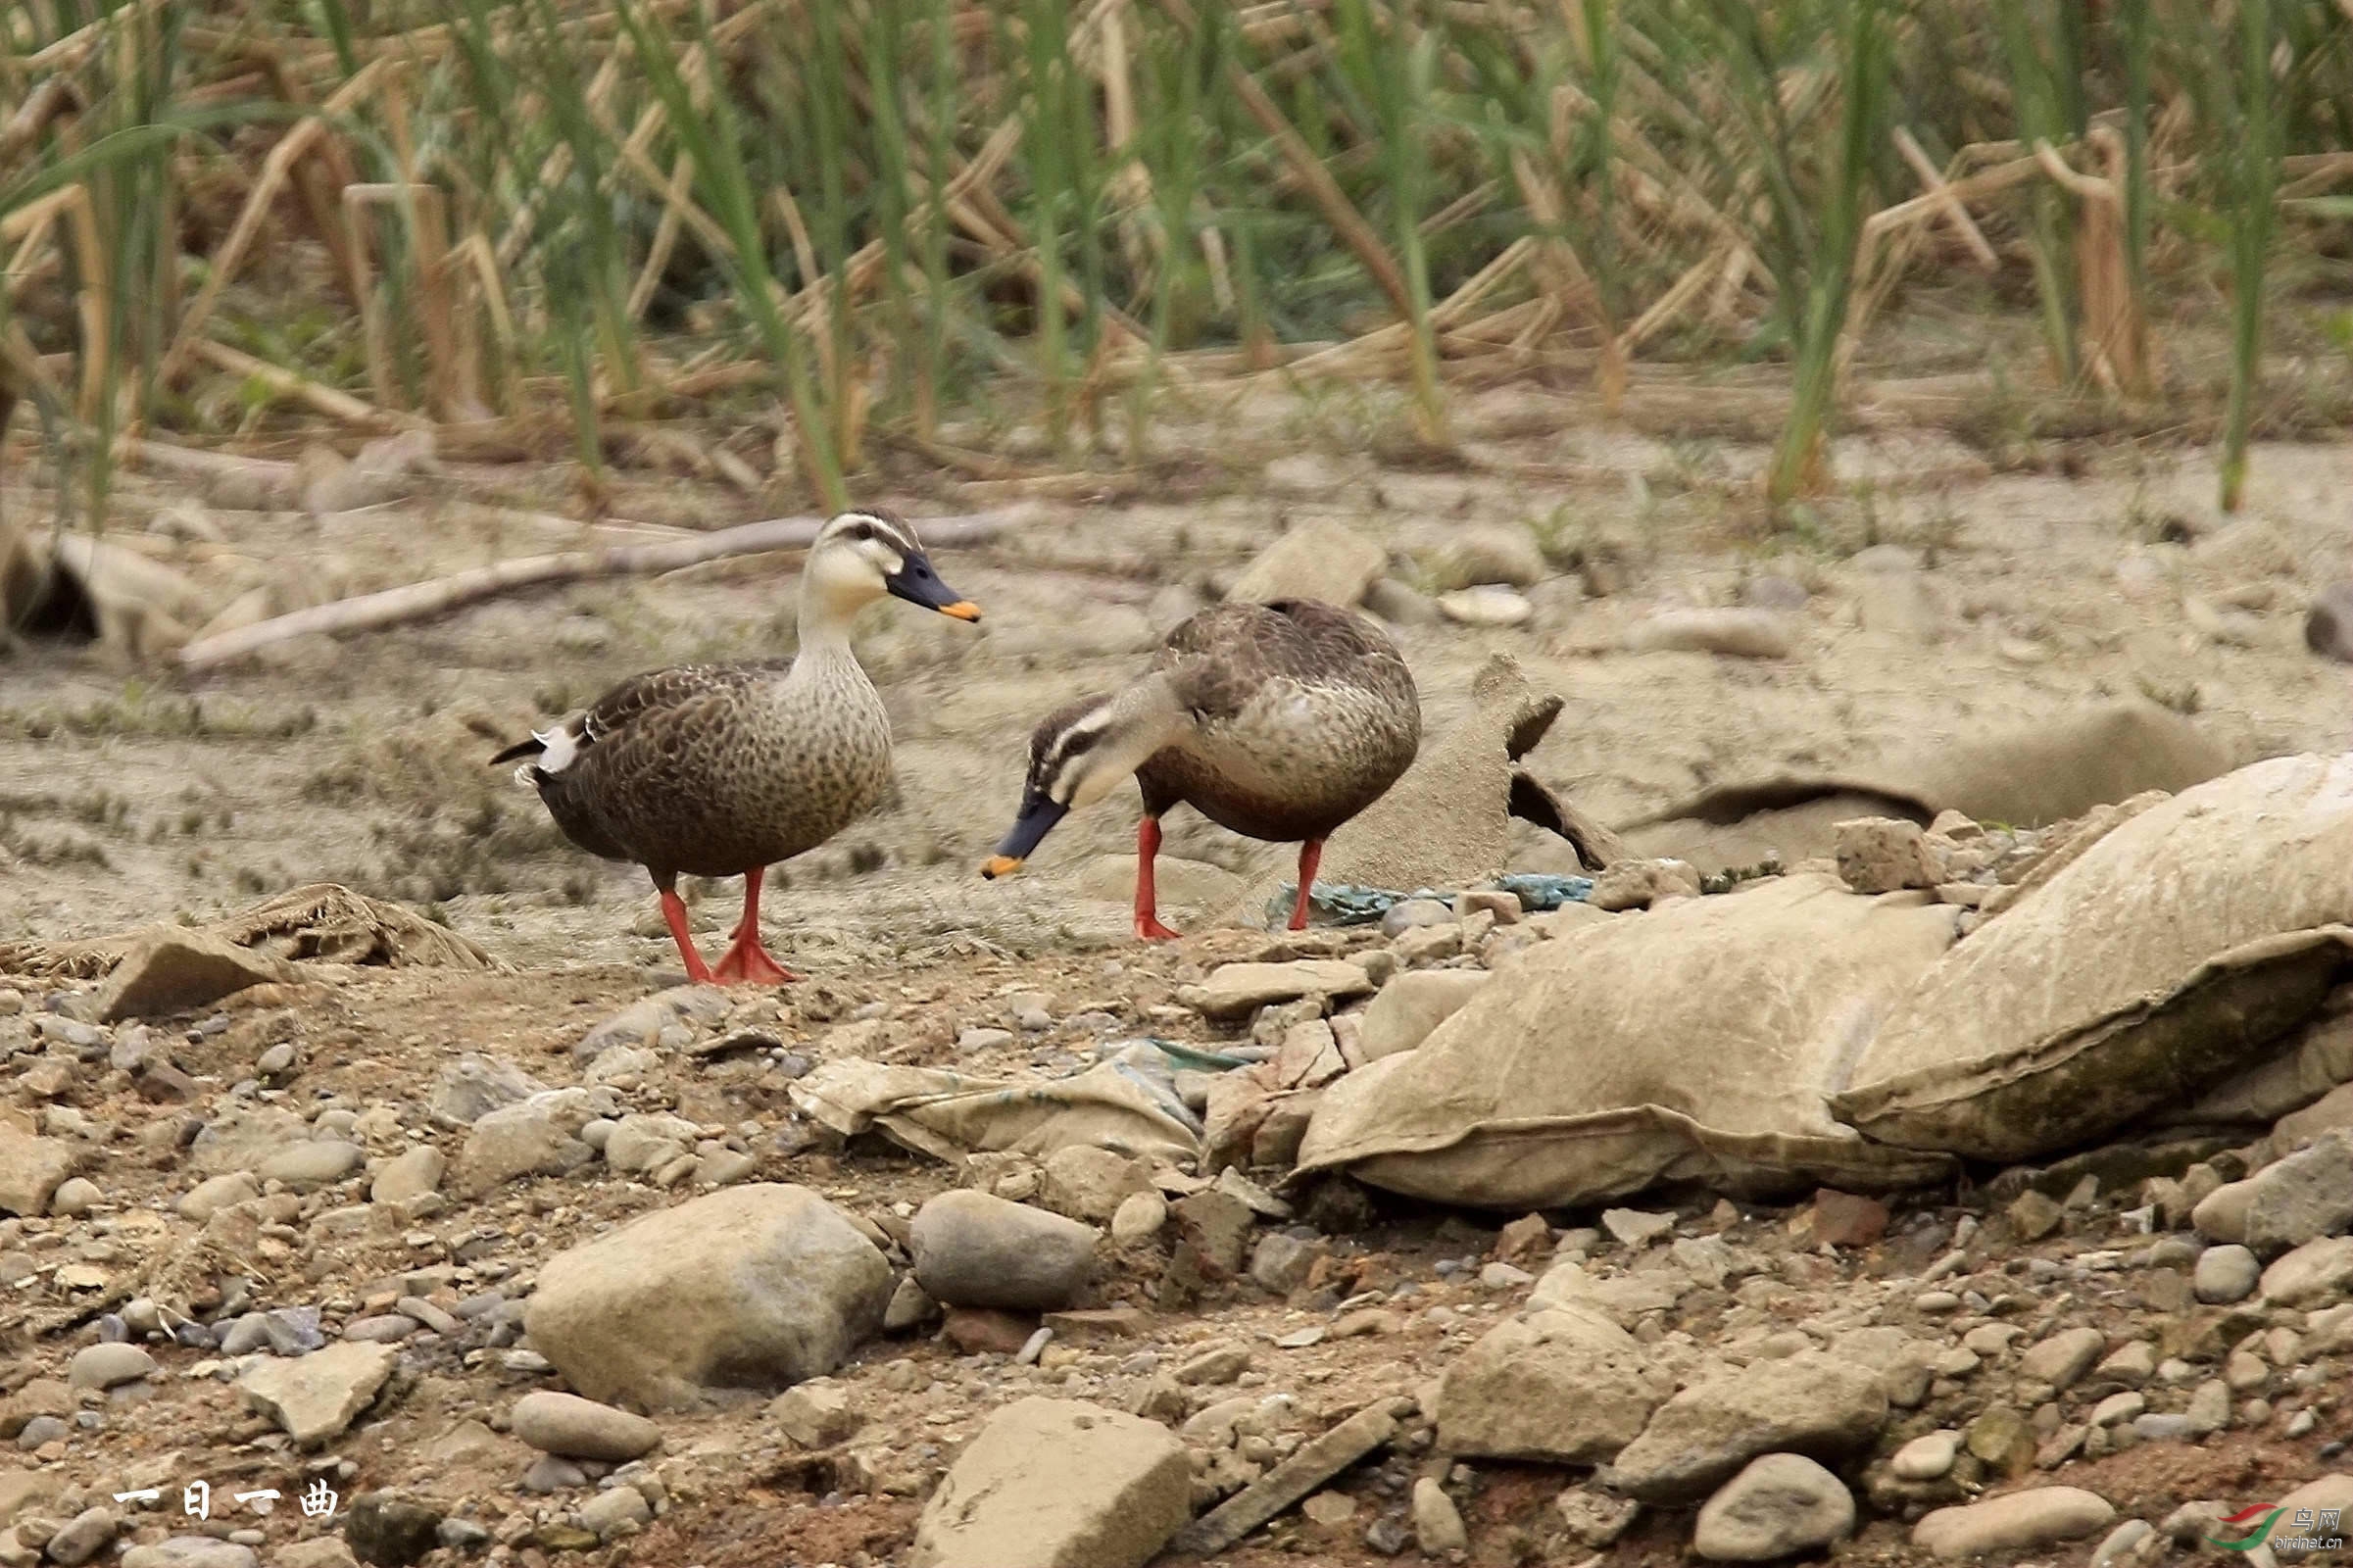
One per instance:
(962, 610)
(996, 866)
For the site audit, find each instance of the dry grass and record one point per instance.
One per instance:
(824, 227)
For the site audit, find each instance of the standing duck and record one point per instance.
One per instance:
(1279, 721)
(725, 769)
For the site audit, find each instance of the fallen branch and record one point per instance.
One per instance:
(420, 600)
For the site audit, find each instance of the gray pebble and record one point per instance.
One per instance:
(547, 1473)
(41, 1429)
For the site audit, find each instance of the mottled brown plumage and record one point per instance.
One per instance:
(1280, 721)
(726, 769)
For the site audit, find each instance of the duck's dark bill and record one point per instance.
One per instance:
(916, 582)
(1038, 818)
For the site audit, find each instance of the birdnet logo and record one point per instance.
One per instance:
(2315, 1529)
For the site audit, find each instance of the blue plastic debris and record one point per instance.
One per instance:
(1346, 904)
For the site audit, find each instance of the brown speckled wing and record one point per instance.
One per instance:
(658, 691)
(1224, 654)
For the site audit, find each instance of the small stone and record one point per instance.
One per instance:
(315, 1397)
(1139, 1218)
(2303, 1196)
(549, 1475)
(1751, 633)
(32, 1170)
(1407, 915)
(1640, 884)
(817, 1414)
(972, 1249)
(1781, 1505)
(2034, 1215)
(2328, 624)
(2209, 1406)
(2016, 1522)
(2117, 1408)
(1437, 1524)
(985, 1330)
(1595, 1520)
(1086, 1182)
(1280, 1262)
(2063, 1358)
(217, 1192)
(1486, 605)
(1635, 1228)
(1329, 1509)
(1845, 1220)
(103, 1366)
(2225, 1274)
(1236, 990)
(84, 1538)
(582, 1429)
(2222, 1214)
(2311, 1272)
(910, 1305)
(1219, 1363)
(193, 1552)
(2003, 1438)
(75, 1197)
(1928, 1457)
(623, 1511)
(410, 1174)
(1883, 854)
(2122, 1540)
(391, 1531)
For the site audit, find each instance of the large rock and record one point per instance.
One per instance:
(582, 1429)
(975, 1250)
(315, 1396)
(1808, 1403)
(1057, 1484)
(2016, 1522)
(754, 1287)
(1781, 1505)
(1413, 1005)
(32, 1170)
(2302, 1197)
(1563, 1385)
(177, 970)
(535, 1137)
(1316, 560)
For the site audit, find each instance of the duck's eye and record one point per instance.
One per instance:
(862, 531)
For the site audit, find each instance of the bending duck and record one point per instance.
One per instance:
(1279, 721)
(726, 769)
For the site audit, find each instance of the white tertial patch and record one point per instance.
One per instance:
(557, 750)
